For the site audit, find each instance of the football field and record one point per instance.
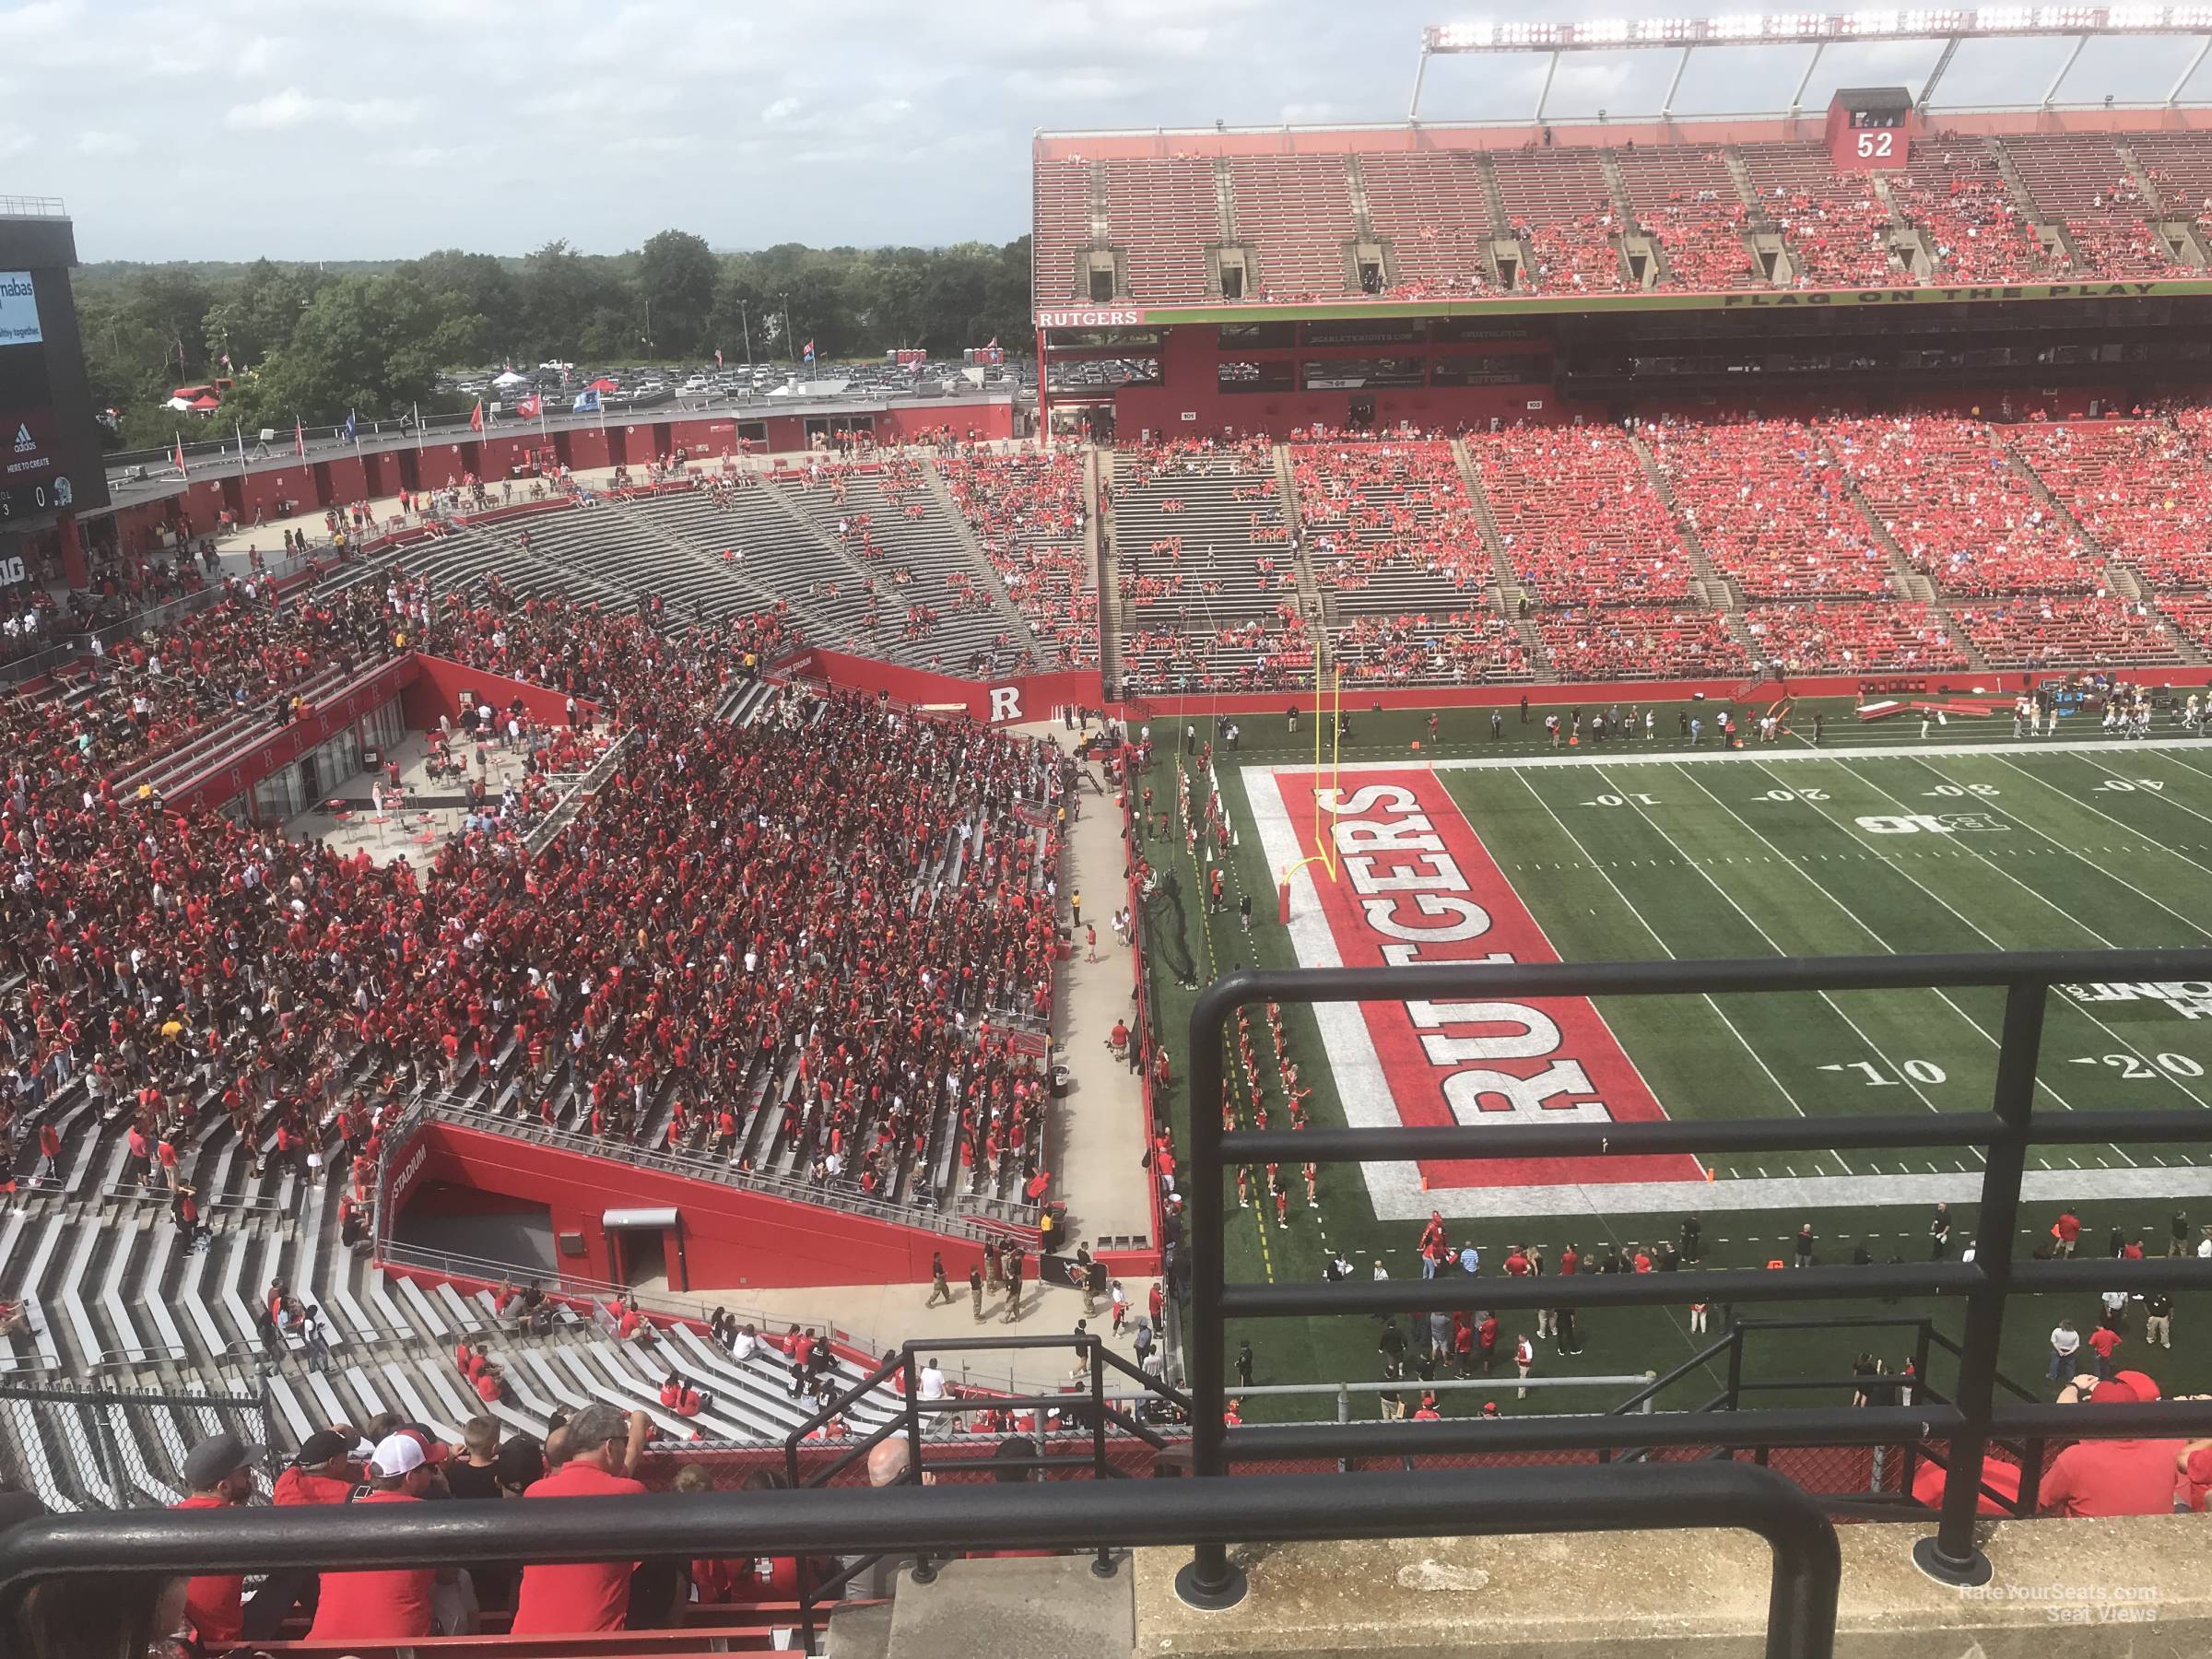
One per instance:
(1879, 841)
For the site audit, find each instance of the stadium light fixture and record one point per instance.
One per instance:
(1949, 26)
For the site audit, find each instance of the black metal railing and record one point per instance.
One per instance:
(1088, 1417)
(132, 1551)
(1968, 1421)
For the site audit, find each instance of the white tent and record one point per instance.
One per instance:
(510, 379)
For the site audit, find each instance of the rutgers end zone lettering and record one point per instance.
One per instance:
(1417, 884)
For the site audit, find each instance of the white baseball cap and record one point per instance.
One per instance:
(397, 1454)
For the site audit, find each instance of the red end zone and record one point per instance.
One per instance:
(1415, 884)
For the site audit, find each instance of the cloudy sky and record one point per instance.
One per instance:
(383, 128)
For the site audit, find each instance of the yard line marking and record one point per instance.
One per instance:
(2157, 794)
(2100, 869)
(2065, 1002)
(2102, 766)
(1758, 1059)
(1864, 927)
(1779, 951)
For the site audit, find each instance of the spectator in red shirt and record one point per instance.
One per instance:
(386, 1602)
(2104, 1340)
(2113, 1477)
(321, 1472)
(602, 1450)
(219, 1470)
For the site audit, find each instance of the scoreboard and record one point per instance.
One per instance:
(50, 453)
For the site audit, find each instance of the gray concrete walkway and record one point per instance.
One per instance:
(1096, 1145)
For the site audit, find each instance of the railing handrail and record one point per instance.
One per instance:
(1802, 1594)
(1969, 1421)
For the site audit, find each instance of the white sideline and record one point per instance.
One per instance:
(1635, 751)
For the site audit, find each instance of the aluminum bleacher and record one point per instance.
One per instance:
(1434, 211)
(2082, 180)
(1162, 213)
(1295, 213)
(1558, 202)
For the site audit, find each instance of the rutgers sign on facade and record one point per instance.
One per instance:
(1091, 317)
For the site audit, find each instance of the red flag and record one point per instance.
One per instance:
(183, 472)
(299, 438)
(717, 357)
(528, 408)
(475, 417)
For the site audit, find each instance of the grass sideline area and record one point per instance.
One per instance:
(1638, 849)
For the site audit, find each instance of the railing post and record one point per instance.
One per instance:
(1951, 1557)
(1208, 1580)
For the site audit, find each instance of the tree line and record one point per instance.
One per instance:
(316, 342)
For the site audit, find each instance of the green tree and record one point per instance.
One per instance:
(676, 273)
(253, 315)
(478, 286)
(368, 346)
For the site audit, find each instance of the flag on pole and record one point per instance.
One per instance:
(528, 406)
(299, 438)
(587, 401)
(717, 357)
(241, 433)
(475, 417)
(182, 471)
(418, 408)
(810, 352)
(352, 433)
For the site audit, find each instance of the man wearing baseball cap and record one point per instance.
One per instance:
(602, 1452)
(219, 1470)
(2113, 1476)
(389, 1601)
(322, 1471)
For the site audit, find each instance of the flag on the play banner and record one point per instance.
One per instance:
(475, 417)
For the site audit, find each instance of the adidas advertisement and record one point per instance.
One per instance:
(18, 310)
(29, 446)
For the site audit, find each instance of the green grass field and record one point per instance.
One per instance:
(1651, 850)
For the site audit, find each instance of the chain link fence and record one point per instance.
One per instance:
(84, 1448)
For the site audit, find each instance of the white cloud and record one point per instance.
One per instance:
(290, 107)
(282, 110)
(106, 143)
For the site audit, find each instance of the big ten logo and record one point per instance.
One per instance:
(11, 570)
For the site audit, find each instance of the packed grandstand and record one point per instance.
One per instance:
(736, 920)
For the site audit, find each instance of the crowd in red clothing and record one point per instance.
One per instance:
(1573, 256)
(1469, 647)
(1366, 507)
(1847, 637)
(1703, 242)
(732, 893)
(1579, 523)
(1627, 641)
(1027, 511)
(1770, 508)
(1960, 509)
(1978, 231)
(2035, 631)
(2141, 488)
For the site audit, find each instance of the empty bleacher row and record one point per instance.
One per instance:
(1968, 208)
(120, 1301)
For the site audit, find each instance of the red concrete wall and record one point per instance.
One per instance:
(437, 691)
(1032, 698)
(730, 1238)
